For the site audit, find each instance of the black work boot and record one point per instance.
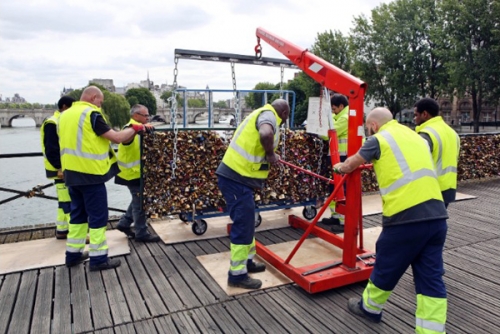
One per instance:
(83, 257)
(110, 264)
(337, 229)
(354, 305)
(127, 230)
(330, 221)
(247, 283)
(255, 267)
(148, 238)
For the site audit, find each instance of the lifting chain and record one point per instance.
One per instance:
(281, 82)
(173, 117)
(236, 97)
(320, 113)
(283, 140)
(320, 157)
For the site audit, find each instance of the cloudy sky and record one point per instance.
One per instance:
(46, 45)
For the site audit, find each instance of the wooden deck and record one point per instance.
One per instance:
(164, 289)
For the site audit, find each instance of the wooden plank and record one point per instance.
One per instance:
(25, 300)
(206, 247)
(8, 295)
(82, 320)
(262, 315)
(117, 302)
(145, 327)
(298, 312)
(62, 301)
(125, 329)
(203, 320)
(165, 325)
(105, 331)
(101, 312)
(162, 285)
(244, 319)
(24, 236)
(219, 245)
(11, 237)
(184, 323)
(185, 294)
(222, 317)
(192, 281)
(43, 302)
(280, 313)
(201, 272)
(38, 234)
(131, 291)
(151, 297)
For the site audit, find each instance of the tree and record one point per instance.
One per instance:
(144, 97)
(256, 100)
(381, 55)
(196, 103)
(117, 109)
(220, 104)
(304, 87)
(333, 47)
(473, 56)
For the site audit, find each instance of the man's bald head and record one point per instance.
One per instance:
(282, 108)
(93, 95)
(377, 118)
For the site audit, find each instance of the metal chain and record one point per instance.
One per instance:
(173, 117)
(281, 82)
(320, 107)
(236, 97)
(283, 140)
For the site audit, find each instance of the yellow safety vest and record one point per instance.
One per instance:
(245, 154)
(341, 121)
(50, 171)
(405, 171)
(129, 157)
(82, 150)
(445, 161)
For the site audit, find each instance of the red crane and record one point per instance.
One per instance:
(351, 267)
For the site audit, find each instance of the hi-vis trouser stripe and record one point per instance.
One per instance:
(79, 142)
(130, 164)
(343, 141)
(64, 201)
(76, 238)
(245, 154)
(408, 175)
(426, 326)
(439, 164)
(374, 299)
(98, 245)
(252, 251)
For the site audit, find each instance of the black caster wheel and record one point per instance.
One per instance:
(258, 219)
(309, 212)
(183, 216)
(199, 227)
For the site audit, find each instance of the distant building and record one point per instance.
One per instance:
(66, 91)
(106, 83)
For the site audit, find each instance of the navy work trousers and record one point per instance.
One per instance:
(419, 245)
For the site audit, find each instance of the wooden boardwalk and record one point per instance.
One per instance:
(164, 289)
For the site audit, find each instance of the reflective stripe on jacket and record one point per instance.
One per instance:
(445, 150)
(245, 154)
(405, 171)
(82, 150)
(129, 157)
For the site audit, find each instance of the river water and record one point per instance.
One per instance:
(24, 173)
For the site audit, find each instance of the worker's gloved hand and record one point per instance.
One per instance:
(273, 158)
(149, 128)
(138, 128)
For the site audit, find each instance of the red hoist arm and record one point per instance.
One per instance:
(342, 82)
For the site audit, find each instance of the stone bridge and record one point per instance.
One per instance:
(193, 115)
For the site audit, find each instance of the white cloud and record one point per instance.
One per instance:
(47, 45)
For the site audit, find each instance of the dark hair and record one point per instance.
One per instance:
(65, 101)
(338, 99)
(429, 105)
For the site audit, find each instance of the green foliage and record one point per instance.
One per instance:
(133, 100)
(220, 104)
(196, 103)
(256, 100)
(304, 87)
(116, 108)
(144, 97)
(334, 48)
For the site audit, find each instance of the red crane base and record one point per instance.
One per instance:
(334, 273)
